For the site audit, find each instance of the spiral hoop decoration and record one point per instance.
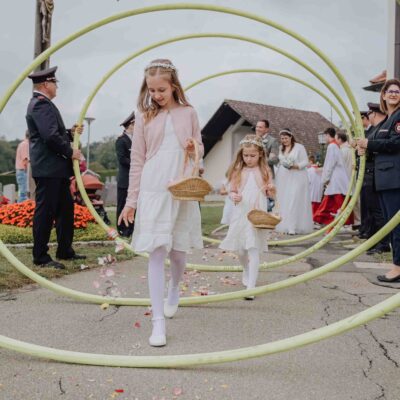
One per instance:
(199, 266)
(229, 355)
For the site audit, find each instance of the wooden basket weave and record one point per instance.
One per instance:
(192, 188)
(262, 219)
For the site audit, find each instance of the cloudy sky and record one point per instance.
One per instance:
(351, 32)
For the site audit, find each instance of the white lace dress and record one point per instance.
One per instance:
(241, 234)
(160, 220)
(293, 194)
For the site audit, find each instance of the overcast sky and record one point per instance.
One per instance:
(351, 32)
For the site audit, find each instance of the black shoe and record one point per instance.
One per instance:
(378, 250)
(73, 257)
(52, 264)
(249, 298)
(383, 278)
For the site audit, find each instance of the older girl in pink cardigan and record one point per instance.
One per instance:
(166, 126)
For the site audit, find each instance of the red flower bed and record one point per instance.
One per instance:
(21, 215)
(4, 200)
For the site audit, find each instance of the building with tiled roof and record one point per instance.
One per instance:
(235, 119)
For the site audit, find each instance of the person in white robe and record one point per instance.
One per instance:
(335, 179)
(293, 196)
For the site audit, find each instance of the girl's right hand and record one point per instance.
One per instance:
(236, 197)
(127, 215)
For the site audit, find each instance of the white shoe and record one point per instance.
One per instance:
(169, 310)
(157, 340)
(245, 278)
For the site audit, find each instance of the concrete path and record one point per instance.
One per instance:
(363, 364)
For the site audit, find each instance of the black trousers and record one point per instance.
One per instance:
(390, 202)
(53, 204)
(373, 218)
(123, 230)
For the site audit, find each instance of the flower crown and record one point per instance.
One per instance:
(285, 132)
(251, 141)
(162, 65)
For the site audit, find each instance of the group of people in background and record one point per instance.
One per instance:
(302, 210)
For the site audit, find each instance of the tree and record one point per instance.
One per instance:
(103, 153)
(7, 156)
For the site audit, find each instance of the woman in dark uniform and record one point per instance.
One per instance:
(385, 144)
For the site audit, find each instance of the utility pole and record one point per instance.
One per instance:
(43, 15)
(393, 61)
(44, 11)
(89, 120)
(397, 42)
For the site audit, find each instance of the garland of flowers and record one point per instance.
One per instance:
(21, 215)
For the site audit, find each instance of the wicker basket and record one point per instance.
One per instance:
(262, 219)
(193, 188)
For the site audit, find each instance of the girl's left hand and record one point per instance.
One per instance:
(270, 190)
(189, 145)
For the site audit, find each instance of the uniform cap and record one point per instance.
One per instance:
(128, 120)
(46, 75)
(374, 107)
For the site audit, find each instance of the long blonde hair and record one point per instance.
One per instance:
(235, 170)
(146, 105)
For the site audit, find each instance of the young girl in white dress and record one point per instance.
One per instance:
(166, 125)
(250, 182)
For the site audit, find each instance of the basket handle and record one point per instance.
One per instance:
(196, 166)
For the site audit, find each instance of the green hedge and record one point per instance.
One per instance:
(14, 235)
(7, 179)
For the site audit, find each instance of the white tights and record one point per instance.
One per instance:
(156, 278)
(250, 261)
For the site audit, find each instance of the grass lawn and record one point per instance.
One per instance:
(10, 278)
(210, 218)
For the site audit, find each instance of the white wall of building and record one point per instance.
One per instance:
(218, 160)
(221, 155)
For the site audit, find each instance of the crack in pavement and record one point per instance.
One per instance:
(369, 330)
(113, 312)
(62, 391)
(382, 347)
(364, 354)
(359, 296)
(327, 314)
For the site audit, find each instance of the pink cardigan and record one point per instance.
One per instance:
(147, 139)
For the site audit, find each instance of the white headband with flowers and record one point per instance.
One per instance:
(162, 65)
(251, 141)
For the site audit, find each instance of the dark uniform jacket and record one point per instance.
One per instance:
(369, 157)
(385, 144)
(123, 146)
(50, 148)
